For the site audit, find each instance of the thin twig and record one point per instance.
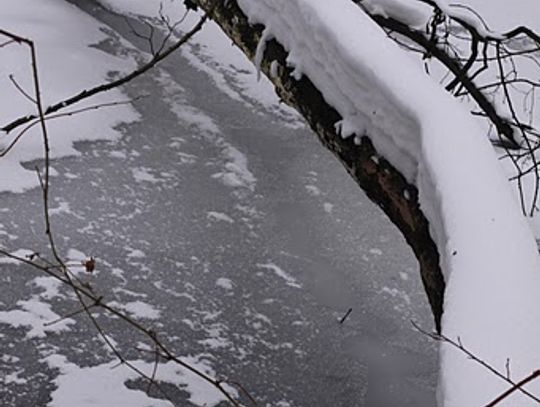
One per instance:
(20, 89)
(58, 268)
(85, 94)
(459, 345)
(342, 320)
(518, 386)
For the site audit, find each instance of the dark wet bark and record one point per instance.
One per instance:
(383, 183)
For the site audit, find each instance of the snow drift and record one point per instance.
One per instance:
(67, 64)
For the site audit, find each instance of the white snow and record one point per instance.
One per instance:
(508, 14)
(313, 190)
(76, 261)
(488, 254)
(413, 13)
(63, 207)
(397, 293)
(212, 52)
(289, 280)
(404, 276)
(135, 253)
(118, 154)
(416, 14)
(224, 283)
(50, 285)
(67, 65)
(137, 309)
(117, 272)
(143, 174)
(33, 315)
(328, 207)
(470, 18)
(219, 216)
(22, 253)
(492, 302)
(149, 8)
(14, 378)
(9, 359)
(236, 172)
(75, 255)
(129, 292)
(105, 385)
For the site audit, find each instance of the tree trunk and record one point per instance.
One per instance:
(382, 183)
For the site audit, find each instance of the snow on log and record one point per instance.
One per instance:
(488, 254)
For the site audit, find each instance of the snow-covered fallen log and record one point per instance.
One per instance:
(487, 253)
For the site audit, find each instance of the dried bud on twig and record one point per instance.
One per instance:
(89, 265)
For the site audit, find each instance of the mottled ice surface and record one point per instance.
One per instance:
(223, 224)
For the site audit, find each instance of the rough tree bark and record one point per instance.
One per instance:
(382, 183)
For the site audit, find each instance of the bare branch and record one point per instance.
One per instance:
(20, 89)
(459, 345)
(518, 386)
(85, 94)
(57, 268)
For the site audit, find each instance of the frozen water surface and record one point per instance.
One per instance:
(234, 235)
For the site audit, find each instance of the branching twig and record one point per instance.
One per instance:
(487, 71)
(32, 124)
(459, 345)
(518, 386)
(85, 94)
(58, 268)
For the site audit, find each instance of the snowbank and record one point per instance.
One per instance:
(488, 253)
(67, 64)
(212, 52)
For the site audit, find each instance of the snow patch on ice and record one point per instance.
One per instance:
(143, 174)
(63, 206)
(289, 280)
(105, 385)
(135, 253)
(313, 190)
(219, 216)
(50, 285)
(118, 154)
(34, 315)
(20, 253)
(236, 172)
(224, 283)
(75, 255)
(396, 293)
(328, 207)
(138, 309)
(14, 378)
